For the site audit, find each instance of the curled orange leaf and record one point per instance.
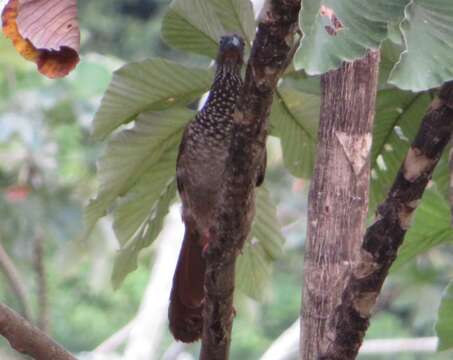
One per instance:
(45, 32)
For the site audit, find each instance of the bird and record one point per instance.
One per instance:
(200, 165)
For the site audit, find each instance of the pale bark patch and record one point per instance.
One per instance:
(365, 302)
(405, 214)
(367, 266)
(416, 164)
(356, 148)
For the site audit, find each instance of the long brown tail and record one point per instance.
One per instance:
(186, 298)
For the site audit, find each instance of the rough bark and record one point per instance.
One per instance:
(271, 52)
(338, 199)
(15, 282)
(350, 317)
(28, 339)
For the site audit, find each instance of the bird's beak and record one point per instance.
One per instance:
(232, 48)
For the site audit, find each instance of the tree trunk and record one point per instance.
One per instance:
(272, 51)
(338, 199)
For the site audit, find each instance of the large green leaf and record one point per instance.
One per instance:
(264, 246)
(237, 16)
(294, 118)
(253, 271)
(426, 28)
(431, 226)
(364, 26)
(126, 259)
(428, 34)
(444, 325)
(398, 117)
(193, 25)
(266, 228)
(134, 209)
(197, 25)
(153, 84)
(130, 153)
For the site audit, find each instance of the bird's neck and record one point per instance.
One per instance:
(225, 89)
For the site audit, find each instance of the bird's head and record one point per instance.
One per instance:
(231, 52)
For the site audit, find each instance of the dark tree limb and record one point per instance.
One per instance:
(338, 199)
(271, 53)
(15, 282)
(347, 325)
(28, 339)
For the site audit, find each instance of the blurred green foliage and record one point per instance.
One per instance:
(128, 29)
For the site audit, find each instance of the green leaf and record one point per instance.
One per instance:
(398, 117)
(134, 208)
(266, 228)
(193, 25)
(197, 25)
(126, 259)
(154, 84)
(390, 54)
(294, 119)
(427, 61)
(253, 271)
(444, 325)
(431, 227)
(237, 16)
(364, 26)
(254, 266)
(130, 153)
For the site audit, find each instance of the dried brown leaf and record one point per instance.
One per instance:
(45, 32)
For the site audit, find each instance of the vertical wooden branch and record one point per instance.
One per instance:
(338, 199)
(272, 51)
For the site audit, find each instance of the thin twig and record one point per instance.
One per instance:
(272, 51)
(39, 267)
(15, 282)
(28, 339)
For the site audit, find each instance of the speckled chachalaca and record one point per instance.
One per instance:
(200, 166)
